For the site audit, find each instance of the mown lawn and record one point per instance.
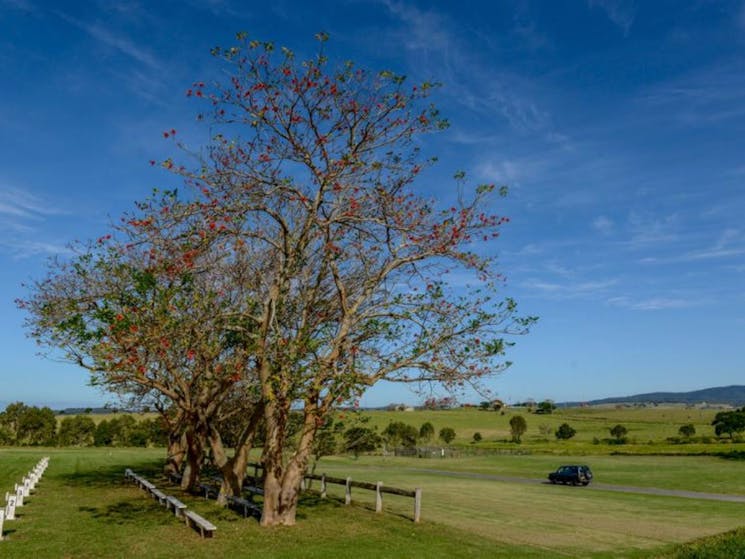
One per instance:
(83, 508)
(570, 521)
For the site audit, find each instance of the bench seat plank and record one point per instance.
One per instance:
(158, 494)
(206, 528)
(248, 508)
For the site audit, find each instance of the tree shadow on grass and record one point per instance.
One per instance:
(127, 512)
(110, 475)
(310, 500)
(733, 455)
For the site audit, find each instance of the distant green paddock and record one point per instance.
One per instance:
(648, 428)
(83, 508)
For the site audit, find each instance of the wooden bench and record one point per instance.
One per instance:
(209, 490)
(247, 507)
(252, 490)
(178, 506)
(205, 527)
(158, 494)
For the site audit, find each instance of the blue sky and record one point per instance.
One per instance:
(618, 125)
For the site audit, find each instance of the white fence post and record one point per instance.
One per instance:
(378, 497)
(10, 508)
(348, 494)
(2, 517)
(323, 486)
(417, 504)
(19, 497)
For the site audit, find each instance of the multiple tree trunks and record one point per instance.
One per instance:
(277, 283)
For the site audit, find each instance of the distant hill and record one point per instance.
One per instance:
(733, 395)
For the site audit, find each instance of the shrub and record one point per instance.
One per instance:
(687, 430)
(619, 433)
(518, 426)
(426, 431)
(477, 437)
(360, 439)
(547, 406)
(398, 433)
(447, 434)
(565, 432)
(76, 431)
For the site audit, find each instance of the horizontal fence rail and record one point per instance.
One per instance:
(348, 483)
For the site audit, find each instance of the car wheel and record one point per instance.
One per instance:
(585, 483)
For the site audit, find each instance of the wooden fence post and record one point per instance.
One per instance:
(378, 497)
(323, 486)
(348, 493)
(417, 504)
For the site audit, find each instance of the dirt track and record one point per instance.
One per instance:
(593, 486)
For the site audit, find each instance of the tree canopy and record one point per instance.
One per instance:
(301, 268)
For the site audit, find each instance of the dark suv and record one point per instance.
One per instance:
(571, 474)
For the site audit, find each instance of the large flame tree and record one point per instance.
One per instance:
(341, 265)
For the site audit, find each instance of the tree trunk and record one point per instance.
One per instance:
(282, 481)
(233, 469)
(195, 445)
(175, 454)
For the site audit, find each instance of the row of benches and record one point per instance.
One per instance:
(246, 506)
(205, 527)
(20, 492)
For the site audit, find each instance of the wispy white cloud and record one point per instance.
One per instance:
(712, 95)
(621, 12)
(525, 28)
(434, 47)
(114, 41)
(653, 304)
(649, 229)
(501, 171)
(22, 215)
(603, 225)
(18, 203)
(730, 243)
(24, 248)
(568, 290)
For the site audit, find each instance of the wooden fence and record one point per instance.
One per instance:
(348, 483)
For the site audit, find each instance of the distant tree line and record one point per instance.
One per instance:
(22, 425)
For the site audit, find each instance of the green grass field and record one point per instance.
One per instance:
(648, 429)
(644, 424)
(83, 508)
